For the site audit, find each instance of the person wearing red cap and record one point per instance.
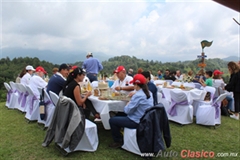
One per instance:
(122, 84)
(234, 86)
(134, 110)
(37, 81)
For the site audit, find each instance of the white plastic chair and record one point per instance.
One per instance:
(54, 97)
(32, 106)
(197, 103)
(181, 110)
(210, 114)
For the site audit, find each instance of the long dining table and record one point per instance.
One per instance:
(105, 106)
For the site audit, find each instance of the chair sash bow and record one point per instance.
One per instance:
(173, 111)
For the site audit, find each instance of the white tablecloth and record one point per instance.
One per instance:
(193, 94)
(105, 106)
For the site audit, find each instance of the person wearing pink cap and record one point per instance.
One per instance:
(37, 81)
(122, 84)
(134, 110)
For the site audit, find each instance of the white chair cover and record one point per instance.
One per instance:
(54, 97)
(22, 97)
(10, 98)
(159, 96)
(130, 141)
(192, 85)
(197, 103)
(32, 106)
(166, 98)
(89, 141)
(15, 95)
(197, 85)
(210, 114)
(49, 106)
(181, 110)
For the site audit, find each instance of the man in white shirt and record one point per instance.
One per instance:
(26, 78)
(178, 75)
(123, 83)
(37, 81)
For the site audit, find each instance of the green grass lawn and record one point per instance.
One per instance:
(22, 140)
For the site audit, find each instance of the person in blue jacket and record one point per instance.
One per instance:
(134, 110)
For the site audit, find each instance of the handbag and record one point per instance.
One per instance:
(42, 106)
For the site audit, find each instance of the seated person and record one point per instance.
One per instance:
(122, 84)
(169, 75)
(37, 81)
(151, 87)
(58, 80)
(25, 80)
(134, 110)
(208, 81)
(179, 76)
(72, 90)
(219, 84)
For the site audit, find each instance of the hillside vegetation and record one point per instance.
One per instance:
(11, 68)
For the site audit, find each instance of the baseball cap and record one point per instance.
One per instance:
(41, 69)
(30, 68)
(89, 54)
(119, 69)
(79, 70)
(63, 66)
(217, 72)
(138, 79)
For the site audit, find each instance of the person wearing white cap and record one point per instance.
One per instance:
(26, 78)
(92, 66)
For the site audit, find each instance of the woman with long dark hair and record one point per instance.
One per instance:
(234, 86)
(134, 110)
(72, 90)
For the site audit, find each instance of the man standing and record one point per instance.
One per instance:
(58, 80)
(92, 66)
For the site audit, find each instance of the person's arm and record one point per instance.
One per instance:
(78, 97)
(133, 103)
(100, 67)
(202, 82)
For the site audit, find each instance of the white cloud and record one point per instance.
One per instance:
(150, 30)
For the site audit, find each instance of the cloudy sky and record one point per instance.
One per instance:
(160, 30)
